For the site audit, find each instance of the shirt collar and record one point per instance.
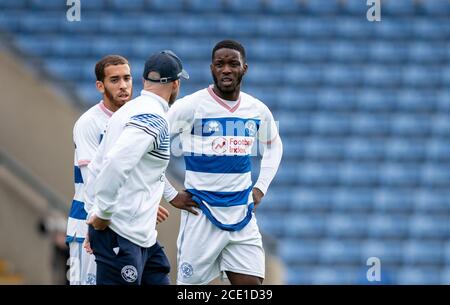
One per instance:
(104, 109)
(162, 101)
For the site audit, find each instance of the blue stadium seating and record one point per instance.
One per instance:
(388, 251)
(343, 225)
(422, 252)
(293, 251)
(336, 251)
(363, 174)
(429, 227)
(432, 201)
(441, 8)
(306, 199)
(349, 199)
(393, 200)
(418, 276)
(388, 226)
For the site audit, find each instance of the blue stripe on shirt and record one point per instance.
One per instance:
(78, 178)
(77, 210)
(222, 199)
(229, 126)
(227, 227)
(218, 164)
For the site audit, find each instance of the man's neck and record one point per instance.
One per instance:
(232, 96)
(109, 105)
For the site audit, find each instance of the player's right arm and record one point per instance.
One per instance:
(181, 116)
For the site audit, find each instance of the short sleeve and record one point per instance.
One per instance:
(268, 129)
(86, 136)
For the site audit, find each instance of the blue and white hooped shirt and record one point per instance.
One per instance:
(87, 135)
(217, 142)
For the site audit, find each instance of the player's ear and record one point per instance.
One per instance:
(245, 67)
(100, 86)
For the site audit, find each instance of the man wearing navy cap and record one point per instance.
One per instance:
(126, 181)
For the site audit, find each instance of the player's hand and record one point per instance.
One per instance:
(98, 223)
(87, 245)
(257, 197)
(184, 201)
(163, 214)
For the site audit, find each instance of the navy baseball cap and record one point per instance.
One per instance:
(167, 64)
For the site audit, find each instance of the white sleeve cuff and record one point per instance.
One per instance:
(169, 191)
(102, 215)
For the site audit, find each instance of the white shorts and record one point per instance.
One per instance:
(206, 252)
(83, 269)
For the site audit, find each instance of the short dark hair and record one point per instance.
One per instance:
(109, 60)
(229, 44)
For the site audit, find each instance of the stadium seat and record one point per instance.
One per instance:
(439, 8)
(13, 4)
(371, 100)
(382, 76)
(400, 175)
(430, 28)
(411, 125)
(192, 25)
(346, 225)
(272, 224)
(49, 23)
(445, 276)
(298, 275)
(432, 201)
(48, 5)
(332, 275)
(387, 226)
(282, 6)
(388, 251)
(359, 174)
(316, 149)
(277, 26)
(353, 27)
(343, 75)
(129, 5)
(393, 200)
(236, 26)
(416, 101)
(440, 125)
(303, 74)
(366, 124)
(74, 46)
(362, 149)
(332, 99)
(429, 226)
(418, 276)
(443, 101)
(93, 5)
(318, 174)
(297, 99)
(393, 28)
(400, 149)
(427, 52)
(331, 124)
(33, 45)
(315, 28)
(348, 51)
(293, 124)
(248, 6)
(356, 7)
(205, 6)
(167, 5)
(418, 76)
(351, 199)
(398, 7)
(307, 51)
(306, 226)
(333, 251)
(307, 199)
(322, 7)
(392, 52)
(438, 150)
(436, 175)
(422, 252)
(295, 251)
